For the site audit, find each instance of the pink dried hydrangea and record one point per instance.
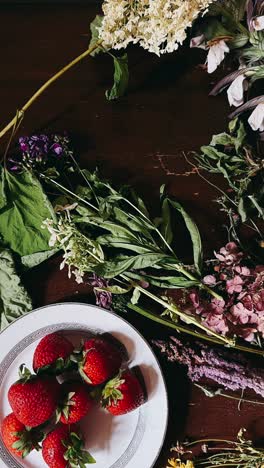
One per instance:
(241, 312)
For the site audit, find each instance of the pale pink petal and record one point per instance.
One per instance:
(258, 23)
(198, 41)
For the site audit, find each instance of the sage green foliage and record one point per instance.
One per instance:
(120, 224)
(94, 28)
(14, 300)
(121, 76)
(229, 154)
(24, 207)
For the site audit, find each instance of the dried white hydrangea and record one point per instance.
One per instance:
(81, 254)
(157, 25)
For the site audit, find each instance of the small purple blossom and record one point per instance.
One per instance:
(229, 254)
(40, 151)
(228, 369)
(234, 285)
(103, 298)
(210, 280)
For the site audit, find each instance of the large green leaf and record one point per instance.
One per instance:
(24, 208)
(14, 300)
(121, 76)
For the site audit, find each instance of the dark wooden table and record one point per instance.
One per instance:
(138, 140)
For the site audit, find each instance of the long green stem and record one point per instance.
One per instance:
(185, 317)
(64, 189)
(179, 328)
(38, 93)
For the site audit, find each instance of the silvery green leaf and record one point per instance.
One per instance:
(14, 300)
(30, 261)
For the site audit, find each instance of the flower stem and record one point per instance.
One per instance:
(186, 273)
(185, 317)
(21, 111)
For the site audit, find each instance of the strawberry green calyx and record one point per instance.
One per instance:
(57, 367)
(64, 407)
(28, 440)
(79, 357)
(111, 393)
(25, 374)
(75, 454)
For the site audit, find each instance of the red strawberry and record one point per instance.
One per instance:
(123, 394)
(76, 403)
(53, 351)
(63, 447)
(17, 438)
(101, 360)
(33, 399)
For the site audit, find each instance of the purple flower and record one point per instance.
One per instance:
(239, 314)
(103, 298)
(234, 285)
(210, 280)
(57, 149)
(41, 151)
(229, 254)
(228, 369)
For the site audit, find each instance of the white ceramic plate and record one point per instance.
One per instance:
(129, 441)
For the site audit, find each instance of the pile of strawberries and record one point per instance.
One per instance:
(46, 412)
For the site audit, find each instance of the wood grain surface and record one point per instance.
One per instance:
(140, 141)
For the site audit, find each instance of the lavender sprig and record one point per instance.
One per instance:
(230, 370)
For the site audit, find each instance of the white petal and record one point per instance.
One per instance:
(256, 119)
(235, 92)
(198, 41)
(258, 23)
(216, 55)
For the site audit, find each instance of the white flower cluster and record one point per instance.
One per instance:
(157, 25)
(81, 254)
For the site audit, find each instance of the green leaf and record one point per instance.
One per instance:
(121, 76)
(164, 282)
(122, 243)
(32, 260)
(135, 296)
(115, 268)
(26, 207)
(240, 136)
(165, 226)
(222, 139)
(14, 300)
(241, 209)
(115, 289)
(212, 152)
(239, 41)
(94, 27)
(194, 233)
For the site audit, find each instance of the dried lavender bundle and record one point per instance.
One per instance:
(231, 370)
